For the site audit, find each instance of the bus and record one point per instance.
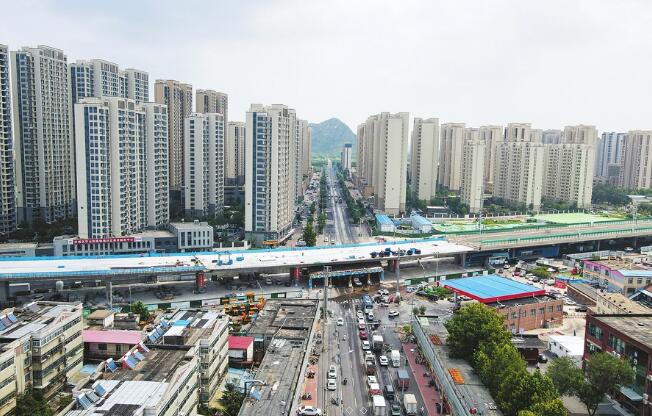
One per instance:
(366, 302)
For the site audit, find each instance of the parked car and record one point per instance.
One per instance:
(332, 372)
(363, 334)
(392, 313)
(581, 308)
(309, 411)
(366, 345)
(372, 380)
(383, 360)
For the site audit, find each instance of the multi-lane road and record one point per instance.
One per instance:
(339, 225)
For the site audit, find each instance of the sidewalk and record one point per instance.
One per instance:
(429, 394)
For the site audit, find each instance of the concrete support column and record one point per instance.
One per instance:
(109, 292)
(598, 245)
(382, 275)
(462, 259)
(4, 293)
(200, 281)
(295, 273)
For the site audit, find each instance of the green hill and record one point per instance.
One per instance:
(328, 137)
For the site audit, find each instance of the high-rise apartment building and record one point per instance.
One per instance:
(425, 158)
(178, 97)
(270, 133)
(450, 156)
(568, 173)
(204, 164)
(383, 163)
(345, 156)
(636, 170)
(551, 136)
(472, 180)
(210, 101)
(234, 153)
(518, 175)
(121, 152)
(492, 137)
(581, 134)
(100, 78)
(44, 145)
(608, 158)
(305, 134)
(7, 192)
(519, 132)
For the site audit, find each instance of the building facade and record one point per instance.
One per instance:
(568, 173)
(608, 158)
(518, 175)
(450, 159)
(204, 164)
(178, 97)
(636, 172)
(345, 156)
(306, 148)
(551, 136)
(472, 180)
(492, 137)
(7, 191)
(270, 134)
(234, 153)
(44, 145)
(425, 158)
(384, 140)
(100, 78)
(121, 157)
(624, 275)
(210, 101)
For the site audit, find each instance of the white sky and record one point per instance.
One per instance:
(551, 63)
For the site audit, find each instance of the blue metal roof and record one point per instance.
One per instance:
(491, 288)
(384, 219)
(420, 221)
(635, 273)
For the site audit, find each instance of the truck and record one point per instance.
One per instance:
(410, 404)
(402, 380)
(377, 343)
(379, 406)
(395, 356)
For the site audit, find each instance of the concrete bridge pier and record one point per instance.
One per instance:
(4, 293)
(461, 258)
(109, 292)
(295, 273)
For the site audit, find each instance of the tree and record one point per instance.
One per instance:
(139, 308)
(553, 407)
(604, 373)
(495, 363)
(313, 208)
(522, 390)
(321, 223)
(231, 400)
(565, 375)
(31, 403)
(309, 235)
(474, 324)
(422, 310)
(540, 272)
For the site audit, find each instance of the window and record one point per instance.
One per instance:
(595, 331)
(617, 344)
(101, 347)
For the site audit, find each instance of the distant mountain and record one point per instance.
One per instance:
(328, 137)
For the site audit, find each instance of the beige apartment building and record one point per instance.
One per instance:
(40, 346)
(7, 192)
(518, 175)
(473, 160)
(383, 139)
(210, 101)
(425, 158)
(568, 173)
(492, 137)
(306, 148)
(234, 153)
(178, 97)
(450, 155)
(636, 171)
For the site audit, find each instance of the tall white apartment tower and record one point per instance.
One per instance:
(518, 132)
(270, 132)
(204, 164)
(121, 152)
(44, 145)
(178, 97)
(518, 174)
(551, 136)
(345, 156)
(234, 153)
(390, 162)
(7, 192)
(473, 160)
(608, 158)
(450, 159)
(425, 158)
(305, 134)
(492, 137)
(636, 170)
(581, 134)
(100, 78)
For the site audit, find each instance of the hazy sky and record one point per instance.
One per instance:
(551, 63)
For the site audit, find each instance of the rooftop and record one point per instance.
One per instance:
(585, 289)
(122, 398)
(623, 303)
(158, 365)
(384, 219)
(627, 265)
(420, 221)
(522, 301)
(636, 327)
(290, 319)
(33, 317)
(191, 325)
(573, 345)
(492, 288)
(100, 314)
(240, 343)
(112, 337)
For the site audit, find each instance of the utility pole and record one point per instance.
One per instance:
(327, 270)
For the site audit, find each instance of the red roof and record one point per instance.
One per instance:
(112, 337)
(240, 343)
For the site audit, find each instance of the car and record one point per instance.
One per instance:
(331, 385)
(370, 315)
(363, 334)
(384, 304)
(373, 254)
(410, 289)
(268, 281)
(506, 266)
(340, 322)
(309, 411)
(383, 360)
(550, 282)
(360, 314)
(392, 313)
(581, 308)
(542, 359)
(372, 380)
(366, 345)
(332, 372)
(383, 292)
(395, 409)
(357, 282)
(325, 239)
(369, 356)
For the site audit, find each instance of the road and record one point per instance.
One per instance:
(339, 224)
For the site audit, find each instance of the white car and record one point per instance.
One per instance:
(332, 372)
(360, 315)
(309, 411)
(340, 322)
(392, 313)
(369, 356)
(372, 380)
(383, 292)
(370, 316)
(366, 345)
(383, 360)
(332, 384)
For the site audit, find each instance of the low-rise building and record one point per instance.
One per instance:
(158, 378)
(102, 318)
(567, 346)
(241, 351)
(18, 249)
(102, 344)
(40, 346)
(623, 274)
(385, 224)
(582, 293)
(420, 224)
(619, 304)
(192, 236)
(629, 337)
